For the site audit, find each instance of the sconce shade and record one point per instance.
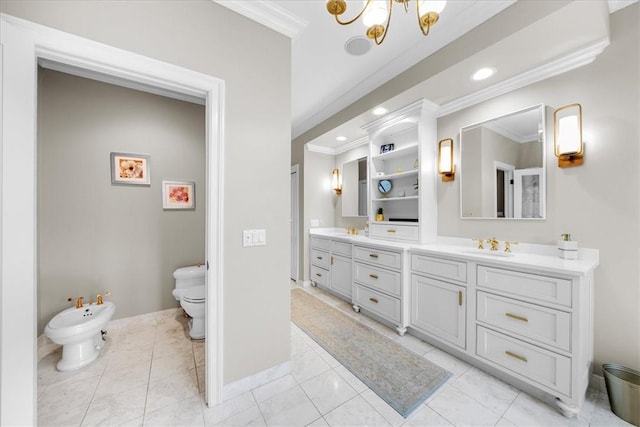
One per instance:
(567, 135)
(336, 181)
(446, 168)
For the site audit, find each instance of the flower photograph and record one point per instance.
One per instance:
(130, 169)
(178, 195)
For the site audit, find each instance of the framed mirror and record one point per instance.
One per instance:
(354, 188)
(502, 167)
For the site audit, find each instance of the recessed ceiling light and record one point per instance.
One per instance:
(379, 111)
(341, 138)
(483, 73)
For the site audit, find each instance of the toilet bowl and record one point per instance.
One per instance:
(193, 303)
(79, 332)
(190, 292)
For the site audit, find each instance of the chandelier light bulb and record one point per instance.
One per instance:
(375, 14)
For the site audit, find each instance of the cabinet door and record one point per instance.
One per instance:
(439, 309)
(341, 275)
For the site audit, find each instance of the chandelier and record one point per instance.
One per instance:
(376, 15)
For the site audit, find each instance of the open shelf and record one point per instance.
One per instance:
(393, 199)
(396, 175)
(403, 151)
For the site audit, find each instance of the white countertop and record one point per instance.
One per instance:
(524, 255)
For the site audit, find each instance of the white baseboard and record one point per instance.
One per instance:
(243, 385)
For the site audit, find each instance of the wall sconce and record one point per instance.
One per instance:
(446, 168)
(336, 181)
(567, 135)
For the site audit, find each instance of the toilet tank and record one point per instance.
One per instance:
(188, 277)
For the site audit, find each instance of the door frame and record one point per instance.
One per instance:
(23, 45)
(295, 219)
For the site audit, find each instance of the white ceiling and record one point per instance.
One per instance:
(326, 79)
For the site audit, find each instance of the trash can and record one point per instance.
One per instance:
(623, 388)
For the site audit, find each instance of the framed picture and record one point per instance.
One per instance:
(130, 169)
(385, 148)
(178, 195)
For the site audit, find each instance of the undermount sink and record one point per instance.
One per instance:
(489, 253)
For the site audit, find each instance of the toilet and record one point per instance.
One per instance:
(190, 292)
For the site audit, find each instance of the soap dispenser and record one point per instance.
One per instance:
(567, 248)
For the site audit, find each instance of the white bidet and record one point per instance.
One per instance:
(79, 332)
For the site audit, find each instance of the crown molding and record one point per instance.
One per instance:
(567, 63)
(351, 145)
(616, 5)
(320, 149)
(267, 14)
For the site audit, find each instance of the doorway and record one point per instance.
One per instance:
(503, 190)
(24, 45)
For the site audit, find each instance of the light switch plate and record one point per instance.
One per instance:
(254, 237)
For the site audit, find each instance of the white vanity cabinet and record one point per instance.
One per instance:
(378, 283)
(439, 298)
(331, 265)
(320, 261)
(340, 268)
(530, 319)
(537, 327)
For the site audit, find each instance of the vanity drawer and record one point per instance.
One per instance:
(394, 231)
(541, 366)
(440, 268)
(380, 304)
(544, 325)
(383, 280)
(341, 248)
(317, 242)
(320, 258)
(320, 276)
(378, 257)
(531, 286)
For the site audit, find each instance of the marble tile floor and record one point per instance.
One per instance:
(151, 374)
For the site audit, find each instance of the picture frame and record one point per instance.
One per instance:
(385, 148)
(130, 169)
(178, 195)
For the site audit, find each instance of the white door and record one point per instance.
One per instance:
(294, 222)
(528, 198)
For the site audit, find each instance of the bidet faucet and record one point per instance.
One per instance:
(79, 302)
(99, 297)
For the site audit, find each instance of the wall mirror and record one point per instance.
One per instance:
(503, 167)
(354, 188)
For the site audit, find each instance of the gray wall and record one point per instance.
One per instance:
(255, 63)
(95, 236)
(598, 202)
(599, 210)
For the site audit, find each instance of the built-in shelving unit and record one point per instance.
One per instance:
(409, 208)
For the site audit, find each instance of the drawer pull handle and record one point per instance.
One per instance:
(319, 257)
(515, 356)
(391, 230)
(318, 274)
(374, 256)
(373, 300)
(460, 298)
(373, 276)
(331, 259)
(516, 317)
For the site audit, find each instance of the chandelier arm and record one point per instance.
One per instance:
(386, 27)
(351, 21)
(426, 33)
